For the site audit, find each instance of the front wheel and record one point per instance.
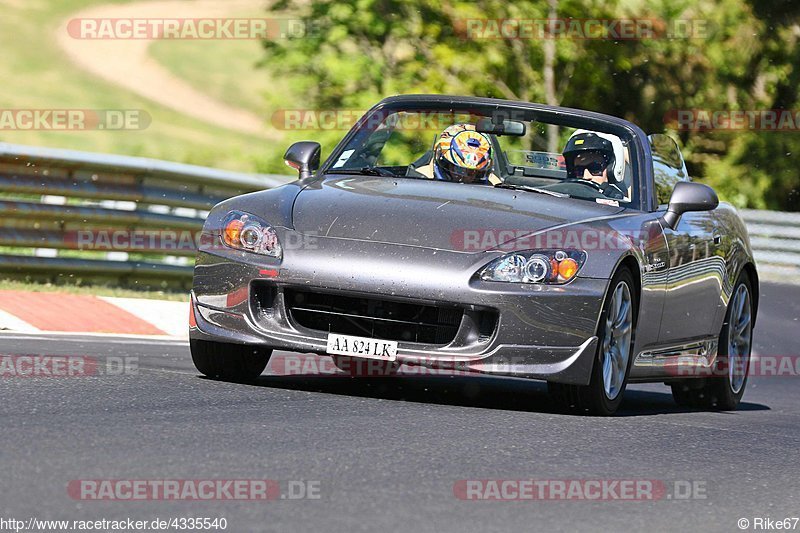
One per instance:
(603, 395)
(234, 362)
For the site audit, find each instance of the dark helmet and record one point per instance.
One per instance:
(586, 141)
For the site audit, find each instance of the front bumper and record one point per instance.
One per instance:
(541, 332)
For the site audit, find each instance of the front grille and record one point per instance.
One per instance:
(367, 317)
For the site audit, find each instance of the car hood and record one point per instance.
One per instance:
(432, 214)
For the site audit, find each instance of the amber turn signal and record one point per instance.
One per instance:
(567, 268)
(232, 232)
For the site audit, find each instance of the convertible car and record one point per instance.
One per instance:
(487, 236)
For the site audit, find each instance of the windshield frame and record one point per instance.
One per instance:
(631, 134)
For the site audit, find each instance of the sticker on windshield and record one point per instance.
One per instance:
(606, 201)
(343, 158)
(545, 160)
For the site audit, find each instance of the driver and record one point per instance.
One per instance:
(463, 155)
(598, 158)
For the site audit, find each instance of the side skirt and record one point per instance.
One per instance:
(693, 359)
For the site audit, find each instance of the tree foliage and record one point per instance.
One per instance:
(733, 55)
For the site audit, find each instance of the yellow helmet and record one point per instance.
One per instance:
(462, 154)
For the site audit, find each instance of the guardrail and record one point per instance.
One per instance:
(51, 199)
(775, 238)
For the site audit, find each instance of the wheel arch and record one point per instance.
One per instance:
(749, 269)
(629, 262)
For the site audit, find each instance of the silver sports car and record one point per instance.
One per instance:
(486, 236)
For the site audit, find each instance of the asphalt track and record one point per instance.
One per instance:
(386, 453)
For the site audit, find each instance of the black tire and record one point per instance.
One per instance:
(717, 393)
(232, 362)
(690, 393)
(592, 399)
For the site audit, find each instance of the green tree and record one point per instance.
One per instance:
(736, 56)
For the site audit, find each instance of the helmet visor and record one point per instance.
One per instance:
(596, 162)
(453, 172)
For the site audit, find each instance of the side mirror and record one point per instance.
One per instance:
(303, 156)
(689, 196)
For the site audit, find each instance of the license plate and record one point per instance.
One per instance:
(362, 347)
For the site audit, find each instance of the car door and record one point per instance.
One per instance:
(694, 279)
(695, 268)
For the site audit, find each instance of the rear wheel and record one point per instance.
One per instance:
(603, 395)
(724, 391)
(689, 393)
(235, 362)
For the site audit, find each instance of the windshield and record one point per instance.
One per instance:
(503, 149)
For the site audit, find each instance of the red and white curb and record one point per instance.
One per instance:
(32, 312)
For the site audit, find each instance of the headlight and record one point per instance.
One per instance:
(553, 267)
(244, 231)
